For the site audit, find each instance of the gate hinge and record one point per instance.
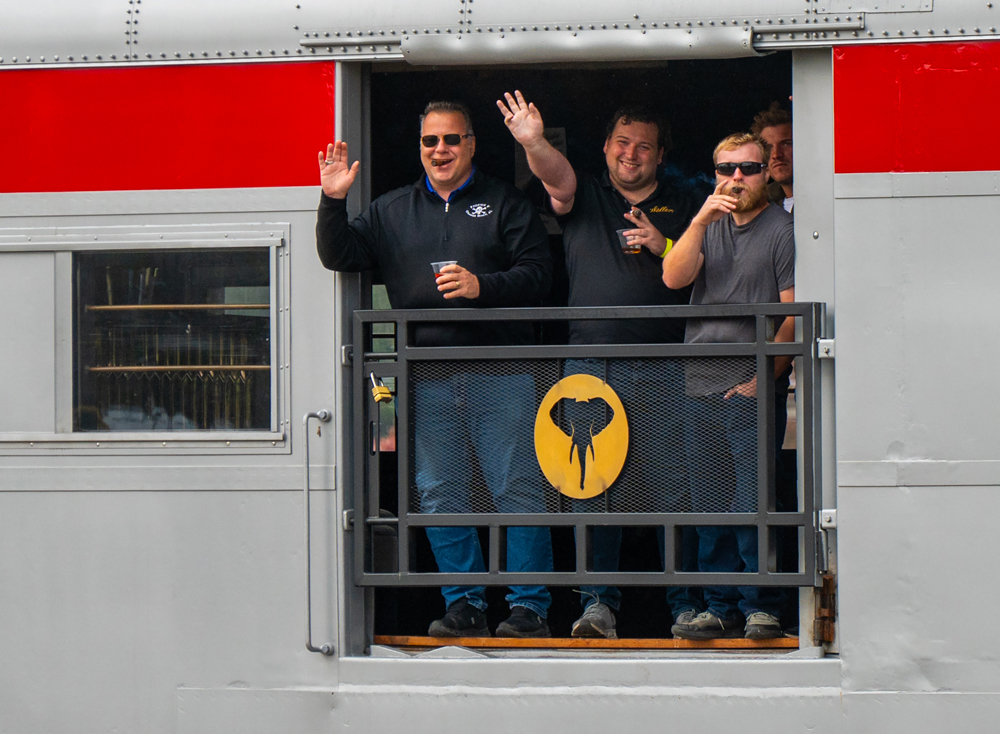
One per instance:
(826, 348)
(348, 520)
(824, 626)
(828, 519)
(346, 355)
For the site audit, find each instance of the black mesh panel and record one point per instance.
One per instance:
(688, 451)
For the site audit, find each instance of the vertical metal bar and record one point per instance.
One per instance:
(323, 416)
(810, 422)
(403, 443)
(582, 545)
(765, 440)
(494, 550)
(583, 459)
(362, 535)
(669, 560)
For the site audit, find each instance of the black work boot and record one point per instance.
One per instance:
(523, 622)
(461, 620)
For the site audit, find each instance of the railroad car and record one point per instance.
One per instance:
(206, 519)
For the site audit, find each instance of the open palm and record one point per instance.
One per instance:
(335, 174)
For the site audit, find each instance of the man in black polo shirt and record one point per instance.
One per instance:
(493, 234)
(654, 213)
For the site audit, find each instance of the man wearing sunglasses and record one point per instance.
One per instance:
(739, 249)
(501, 250)
(653, 212)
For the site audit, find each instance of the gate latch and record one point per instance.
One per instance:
(379, 391)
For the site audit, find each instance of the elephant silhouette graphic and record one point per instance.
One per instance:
(582, 463)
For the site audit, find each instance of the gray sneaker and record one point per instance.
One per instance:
(763, 626)
(597, 621)
(706, 626)
(686, 617)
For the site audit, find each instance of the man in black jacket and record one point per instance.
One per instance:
(501, 253)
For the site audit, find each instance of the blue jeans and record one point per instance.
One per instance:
(653, 389)
(716, 429)
(491, 417)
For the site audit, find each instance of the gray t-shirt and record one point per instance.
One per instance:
(751, 263)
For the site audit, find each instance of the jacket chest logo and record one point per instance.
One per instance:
(479, 210)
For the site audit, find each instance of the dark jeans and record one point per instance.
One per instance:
(654, 389)
(716, 431)
(495, 415)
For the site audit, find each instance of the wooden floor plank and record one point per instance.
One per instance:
(574, 643)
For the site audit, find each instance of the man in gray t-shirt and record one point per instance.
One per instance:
(738, 249)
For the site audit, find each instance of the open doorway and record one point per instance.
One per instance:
(703, 102)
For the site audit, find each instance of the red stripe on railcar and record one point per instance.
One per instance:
(916, 107)
(177, 127)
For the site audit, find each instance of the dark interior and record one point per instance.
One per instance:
(703, 101)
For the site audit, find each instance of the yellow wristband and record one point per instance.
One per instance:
(670, 243)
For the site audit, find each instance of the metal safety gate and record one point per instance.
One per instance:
(618, 435)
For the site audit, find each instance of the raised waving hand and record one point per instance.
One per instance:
(525, 124)
(522, 118)
(335, 174)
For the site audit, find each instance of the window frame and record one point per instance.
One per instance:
(64, 244)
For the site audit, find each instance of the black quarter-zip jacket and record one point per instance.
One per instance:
(489, 227)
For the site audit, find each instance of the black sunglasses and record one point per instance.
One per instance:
(747, 168)
(430, 141)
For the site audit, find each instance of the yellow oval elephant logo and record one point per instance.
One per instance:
(582, 464)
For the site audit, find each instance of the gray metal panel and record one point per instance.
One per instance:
(946, 183)
(111, 601)
(634, 12)
(623, 45)
(52, 32)
(679, 670)
(360, 18)
(115, 32)
(916, 293)
(189, 30)
(908, 557)
(919, 473)
(204, 711)
(23, 209)
(27, 332)
(876, 6)
(63, 357)
(812, 87)
(430, 709)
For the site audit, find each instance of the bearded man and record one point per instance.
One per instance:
(653, 211)
(739, 249)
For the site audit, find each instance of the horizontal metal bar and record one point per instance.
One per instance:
(594, 519)
(183, 307)
(571, 578)
(593, 351)
(381, 521)
(186, 368)
(591, 313)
